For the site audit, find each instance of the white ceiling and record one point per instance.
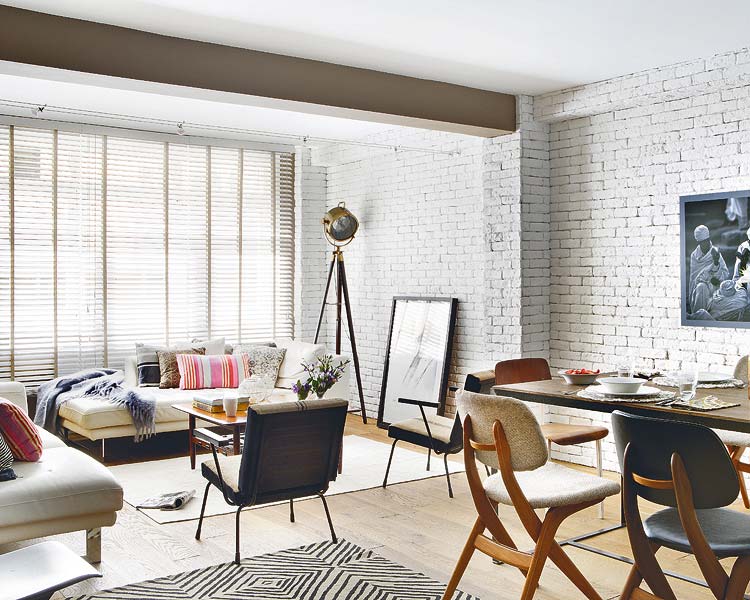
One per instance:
(524, 46)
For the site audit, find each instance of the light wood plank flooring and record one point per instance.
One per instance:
(414, 524)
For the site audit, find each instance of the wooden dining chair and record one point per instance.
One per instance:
(737, 442)
(686, 468)
(521, 370)
(503, 433)
(291, 451)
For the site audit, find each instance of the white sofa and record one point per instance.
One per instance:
(97, 420)
(64, 491)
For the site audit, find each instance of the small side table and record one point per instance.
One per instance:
(198, 437)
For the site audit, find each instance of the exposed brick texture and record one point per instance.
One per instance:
(560, 240)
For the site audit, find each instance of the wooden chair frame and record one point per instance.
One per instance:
(501, 547)
(646, 568)
(735, 453)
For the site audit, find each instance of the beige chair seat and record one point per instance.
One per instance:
(440, 427)
(733, 438)
(553, 485)
(230, 471)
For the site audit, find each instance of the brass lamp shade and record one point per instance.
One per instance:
(340, 225)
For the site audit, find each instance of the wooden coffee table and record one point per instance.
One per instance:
(235, 424)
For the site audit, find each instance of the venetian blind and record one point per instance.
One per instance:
(107, 241)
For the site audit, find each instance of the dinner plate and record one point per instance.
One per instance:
(707, 377)
(644, 392)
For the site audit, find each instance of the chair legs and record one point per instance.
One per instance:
(388, 468)
(599, 472)
(328, 516)
(736, 453)
(532, 563)
(447, 475)
(237, 536)
(291, 510)
(203, 510)
(429, 454)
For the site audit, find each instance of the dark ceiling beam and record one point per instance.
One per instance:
(59, 42)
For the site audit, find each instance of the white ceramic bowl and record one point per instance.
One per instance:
(573, 379)
(621, 385)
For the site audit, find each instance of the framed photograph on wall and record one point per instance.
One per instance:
(418, 356)
(715, 256)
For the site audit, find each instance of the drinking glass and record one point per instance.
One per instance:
(687, 383)
(626, 367)
(230, 405)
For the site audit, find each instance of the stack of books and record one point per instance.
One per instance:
(216, 405)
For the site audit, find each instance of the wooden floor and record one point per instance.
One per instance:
(414, 524)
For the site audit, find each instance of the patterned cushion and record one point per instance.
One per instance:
(170, 373)
(6, 456)
(264, 360)
(147, 364)
(19, 432)
(216, 371)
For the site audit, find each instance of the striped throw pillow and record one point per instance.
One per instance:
(215, 371)
(20, 433)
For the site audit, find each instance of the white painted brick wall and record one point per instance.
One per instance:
(421, 233)
(621, 153)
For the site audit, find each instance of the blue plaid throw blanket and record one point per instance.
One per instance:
(106, 384)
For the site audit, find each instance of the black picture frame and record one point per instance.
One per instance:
(446, 359)
(708, 206)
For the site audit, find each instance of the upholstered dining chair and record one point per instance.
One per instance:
(736, 442)
(503, 433)
(685, 468)
(521, 370)
(436, 433)
(291, 451)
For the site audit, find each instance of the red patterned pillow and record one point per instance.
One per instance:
(20, 432)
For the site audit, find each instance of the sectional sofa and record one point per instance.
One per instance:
(97, 420)
(64, 491)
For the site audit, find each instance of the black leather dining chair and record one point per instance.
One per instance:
(685, 468)
(291, 451)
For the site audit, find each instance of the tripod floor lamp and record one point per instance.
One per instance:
(339, 226)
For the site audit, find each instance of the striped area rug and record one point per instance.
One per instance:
(323, 571)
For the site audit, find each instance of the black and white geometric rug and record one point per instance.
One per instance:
(323, 571)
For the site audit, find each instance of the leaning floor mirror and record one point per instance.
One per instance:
(418, 355)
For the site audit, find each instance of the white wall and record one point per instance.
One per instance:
(616, 174)
(560, 240)
(420, 227)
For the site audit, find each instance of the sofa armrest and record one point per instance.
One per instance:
(15, 392)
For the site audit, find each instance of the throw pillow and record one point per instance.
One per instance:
(19, 432)
(297, 352)
(212, 346)
(6, 461)
(216, 371)
(265, 360)
(147, 364)
(170, 373)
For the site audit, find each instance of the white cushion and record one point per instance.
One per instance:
(553, 485)
(15, 392)
(440, 427)
(93, 413)
(65, 483)
(212, 346)
(296, 353)
(733, 438)
(49, 440)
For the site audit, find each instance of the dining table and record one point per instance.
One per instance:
(556, 392)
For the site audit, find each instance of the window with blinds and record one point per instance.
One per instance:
(107, 241)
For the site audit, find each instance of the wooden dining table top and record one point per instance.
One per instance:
(558, 393)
